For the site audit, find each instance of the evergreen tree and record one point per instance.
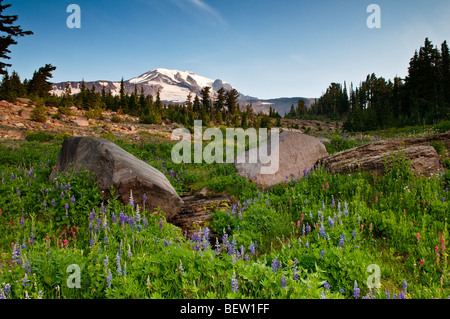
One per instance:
(39, 85)
(196, 104)
(231, 101)
(9, 34)
(301, 108)
(11, 87)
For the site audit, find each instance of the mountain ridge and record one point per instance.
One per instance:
(174, 87)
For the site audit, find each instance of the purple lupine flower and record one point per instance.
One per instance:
(283, 281)
(53, 202)
(92, 215)
(234, 283)
(72, 200)
(16, 255)
(295, 273)
(113, 218)
(252, 248)
(121, 217)
(145, 222)
(181, 268)
(322, 253)
(119, 268)
(276, 264)
(108, 278)
(131, 199)
(356, 290)
(322, 230)
(342, 240)
(160, 224)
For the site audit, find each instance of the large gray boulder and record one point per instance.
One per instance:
(113, 166)
(297, 153)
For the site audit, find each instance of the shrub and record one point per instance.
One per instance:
(116, 119)
(439, 147)
(39, 114)
(39, 136)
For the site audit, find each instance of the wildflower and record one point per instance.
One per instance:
(131, 199)
(342, 240)
(356, 290)
(283, 281)
(322, 230)
(322, 253)
(129, 251)
(16, 254)
(418, 237)
(234, 283)
(53, 202)
(160, 224)
(72, 200)
(119, 268)
(181, 268)
(421, 262)
(144, 221)
(275, 265)
(108, 278)
(295, 273)
(252, 248)
(326, 285)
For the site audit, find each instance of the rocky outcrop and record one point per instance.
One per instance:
(371, 157)
(113, 166)
(196, 212)
(297, 152)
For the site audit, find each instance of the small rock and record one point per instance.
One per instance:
(81, 123)
(4, 118)
(47, 126)
(19, 124)
(203, 193)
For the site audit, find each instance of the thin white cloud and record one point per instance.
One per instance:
(201, 9)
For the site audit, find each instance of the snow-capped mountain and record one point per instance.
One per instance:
(174, 87)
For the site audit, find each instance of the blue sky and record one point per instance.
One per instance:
(265, 49)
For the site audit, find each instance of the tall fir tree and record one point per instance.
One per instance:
(10, 33)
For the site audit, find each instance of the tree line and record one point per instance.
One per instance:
(422, 97)
(223, 109)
